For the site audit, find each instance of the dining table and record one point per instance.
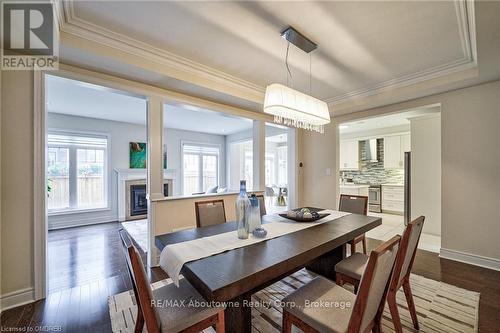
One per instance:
(233, 276)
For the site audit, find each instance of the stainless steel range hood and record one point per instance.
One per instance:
(371, 150)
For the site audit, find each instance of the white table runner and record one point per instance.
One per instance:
(174, 256)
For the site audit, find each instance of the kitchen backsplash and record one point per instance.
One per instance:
(374, 172)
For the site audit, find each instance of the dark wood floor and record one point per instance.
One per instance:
(86, 265)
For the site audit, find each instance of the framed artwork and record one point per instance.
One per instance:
(138, 155)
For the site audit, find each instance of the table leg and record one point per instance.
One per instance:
(325, 265)
(238, 315)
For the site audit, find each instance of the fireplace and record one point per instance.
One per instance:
(136, 201)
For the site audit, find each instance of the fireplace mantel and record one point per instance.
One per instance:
(125, 175)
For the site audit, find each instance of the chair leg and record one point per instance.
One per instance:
(353, 247)
(286, 326)
(393, 307)
(411, 304)
(364, 244)
(139, 322)
(220, 326)
(338, 279)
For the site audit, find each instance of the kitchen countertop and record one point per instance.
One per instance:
(354, 185)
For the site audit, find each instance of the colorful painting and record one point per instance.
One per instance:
(138, 155)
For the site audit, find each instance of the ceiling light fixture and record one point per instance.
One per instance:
(292, 107)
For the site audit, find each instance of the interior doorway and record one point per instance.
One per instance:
(372, 163)
(95, 145)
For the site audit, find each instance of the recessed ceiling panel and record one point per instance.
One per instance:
(360, 44)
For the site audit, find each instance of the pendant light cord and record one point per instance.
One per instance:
(288, 67)
(310, 71)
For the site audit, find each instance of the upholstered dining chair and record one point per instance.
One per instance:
(210, 213)
(350, 270)
(361, 313)
(154, 307)
(262, 204)
(355, 204)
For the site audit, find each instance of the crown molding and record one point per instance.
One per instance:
(187, 70)
(464, 10)
(182, 68)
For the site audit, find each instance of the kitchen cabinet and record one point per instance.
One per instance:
(393, 199)
(349, 155)
(395, 147)
(405, 146)
(354, 189)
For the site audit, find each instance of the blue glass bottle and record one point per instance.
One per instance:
(242, 211)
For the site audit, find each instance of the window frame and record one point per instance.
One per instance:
(72, 150)
(200, 162)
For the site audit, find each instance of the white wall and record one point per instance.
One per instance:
(426, 171)
(121, 134)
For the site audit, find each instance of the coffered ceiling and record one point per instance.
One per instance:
(230, 51)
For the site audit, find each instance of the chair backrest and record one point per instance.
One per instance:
(407, 251)
(270, 192)
(140, 283)
(262, 204)
(356, 204)
(373, 286)
(210, 213)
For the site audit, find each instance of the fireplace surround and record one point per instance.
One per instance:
(136, 203)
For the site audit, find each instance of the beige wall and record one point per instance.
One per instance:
(470, 157)
(426, 171)
(17, 181)
(178, 214)
(318, 153)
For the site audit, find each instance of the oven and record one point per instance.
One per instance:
(375, 198)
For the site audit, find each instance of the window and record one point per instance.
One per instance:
(240, 164)
(201, 167)
(76, 173)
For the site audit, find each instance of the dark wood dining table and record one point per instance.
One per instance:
(233, 276)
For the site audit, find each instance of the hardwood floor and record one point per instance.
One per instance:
(86, 265)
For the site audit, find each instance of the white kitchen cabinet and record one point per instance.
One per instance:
(355, 190)
(349, 155)
(394, 148)
(405, 146)
(392, 152)
(393, 199)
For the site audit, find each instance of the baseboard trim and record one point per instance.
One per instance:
(54, 225)
(17, 298)
(471, 259)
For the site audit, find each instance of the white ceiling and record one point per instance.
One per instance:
(384, 122)
(359, 44)
(364, 46)
(76, 98)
